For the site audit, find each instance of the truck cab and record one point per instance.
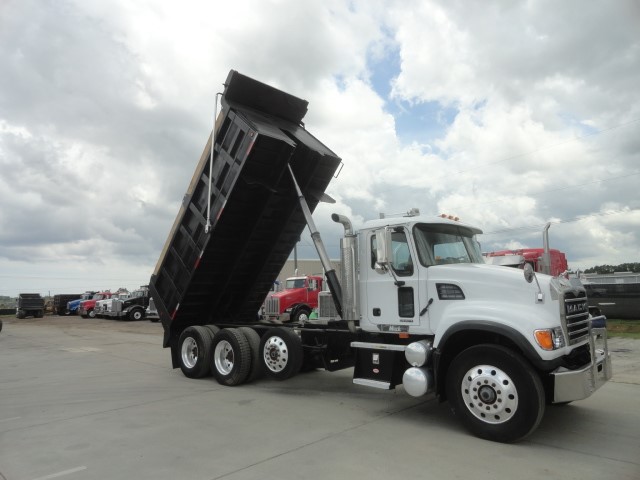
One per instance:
(297, 300)
(131, 307)
(86, 309)
(533, 256)
(73, 305)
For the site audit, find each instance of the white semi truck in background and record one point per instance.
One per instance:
(415, 304)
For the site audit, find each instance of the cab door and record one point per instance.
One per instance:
(392, 296)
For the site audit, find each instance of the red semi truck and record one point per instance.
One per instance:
(296, 301)
(87, 307)
(533, 256)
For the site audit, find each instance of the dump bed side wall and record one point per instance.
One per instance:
(33, 301)
(225, 275)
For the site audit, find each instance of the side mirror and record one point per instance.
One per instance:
(383, 247)
(528, 272)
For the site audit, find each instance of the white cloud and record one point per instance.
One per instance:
(102, 124)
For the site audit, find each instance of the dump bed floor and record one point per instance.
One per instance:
(225, 275)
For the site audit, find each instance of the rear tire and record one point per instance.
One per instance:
(495, 393)
(281, 353)
(213, 329)
(256, 371)
(194, 352)
(231, 357)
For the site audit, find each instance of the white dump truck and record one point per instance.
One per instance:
(414, 305)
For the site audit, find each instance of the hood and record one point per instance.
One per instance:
(480, 281)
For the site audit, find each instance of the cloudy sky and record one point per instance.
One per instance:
(507, 114)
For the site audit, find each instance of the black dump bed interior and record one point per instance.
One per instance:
(224, 276)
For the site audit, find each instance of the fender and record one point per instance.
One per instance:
(527, 349)
(297, 306)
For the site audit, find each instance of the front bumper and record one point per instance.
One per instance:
(570, 385)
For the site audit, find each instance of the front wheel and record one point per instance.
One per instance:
(281, 352)
(136, 314)
(301, 315)
(496, 393)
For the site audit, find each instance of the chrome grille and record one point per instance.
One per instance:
(576, 315)
(326, 307)
(272, 306)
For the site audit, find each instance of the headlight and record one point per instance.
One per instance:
(550, 338)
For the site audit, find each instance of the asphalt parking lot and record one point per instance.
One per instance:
(97, 399)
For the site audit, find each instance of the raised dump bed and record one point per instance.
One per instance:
(224, 275)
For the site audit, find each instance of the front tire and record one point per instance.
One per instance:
(231, 357)
(136, 314)
(495, 393)
(194, 352)
(281, 353)
(301, 315)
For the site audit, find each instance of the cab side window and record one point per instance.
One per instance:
(402, 262)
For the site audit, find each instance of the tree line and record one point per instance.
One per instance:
(623, 267)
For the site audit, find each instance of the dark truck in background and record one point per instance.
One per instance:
(415, 304)
(60, 302)
(29, 305)
(133, 307)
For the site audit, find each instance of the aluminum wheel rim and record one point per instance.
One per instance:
(224, 358)
(489, 394)
(303, 317)
(276, 354)
(189, 352)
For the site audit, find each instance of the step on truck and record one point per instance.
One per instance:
(416, 307)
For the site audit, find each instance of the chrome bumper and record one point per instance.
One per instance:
(570, 385)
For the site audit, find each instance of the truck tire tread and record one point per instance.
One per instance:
(230, 359)
(500, 424)
(194, 346)
(256, 371)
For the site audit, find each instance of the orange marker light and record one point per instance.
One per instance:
(544, 339)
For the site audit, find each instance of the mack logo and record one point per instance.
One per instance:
(573, 308)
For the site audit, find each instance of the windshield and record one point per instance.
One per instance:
(295, 283)
(441, 244)
(98, 296)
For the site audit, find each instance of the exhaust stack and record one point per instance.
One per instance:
(348, 260)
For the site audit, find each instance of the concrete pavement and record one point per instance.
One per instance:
(97, 399)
